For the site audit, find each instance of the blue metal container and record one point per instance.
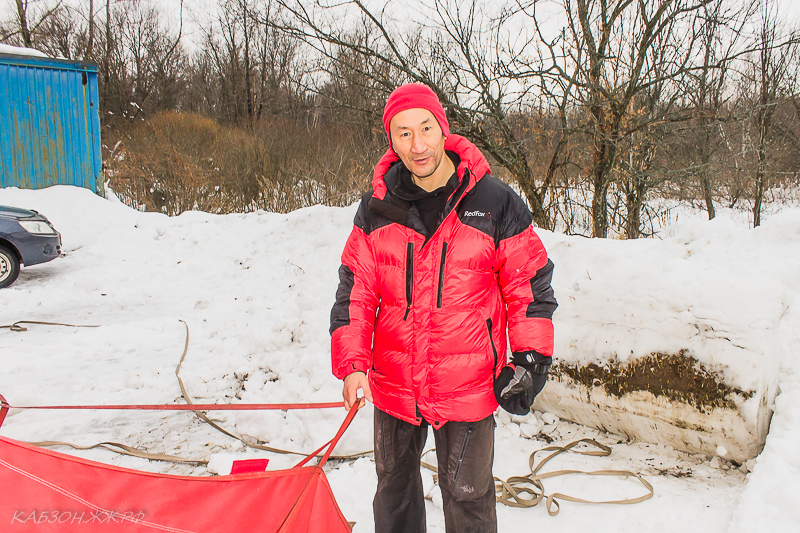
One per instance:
(49, 123)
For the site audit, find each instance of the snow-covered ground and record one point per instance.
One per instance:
(256, 292)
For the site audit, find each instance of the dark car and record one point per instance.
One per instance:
(26, 237)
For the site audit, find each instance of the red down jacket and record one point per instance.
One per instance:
(427, 319)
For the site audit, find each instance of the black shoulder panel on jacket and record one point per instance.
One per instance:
(495, 209)
(367, 219)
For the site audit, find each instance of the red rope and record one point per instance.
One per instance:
(331, 444)
(5, 406)
(192, 407)
(3, 409)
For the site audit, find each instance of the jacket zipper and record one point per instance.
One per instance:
(491, 341)
(462, 454)
(409, 278)
(441, 276)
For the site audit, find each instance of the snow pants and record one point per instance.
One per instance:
(464, 451)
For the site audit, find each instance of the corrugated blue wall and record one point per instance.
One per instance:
(49, 123)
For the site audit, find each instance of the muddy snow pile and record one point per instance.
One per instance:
(676, 341)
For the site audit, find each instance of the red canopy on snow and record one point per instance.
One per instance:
(43, 490)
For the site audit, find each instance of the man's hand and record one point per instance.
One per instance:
(352, 383)
(516, 387)
(521, 381)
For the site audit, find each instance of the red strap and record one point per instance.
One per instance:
(342, 429)
(3, 409)
(183, 407)
(312, 454)
(331, 444)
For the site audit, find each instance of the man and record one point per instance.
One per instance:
(441, 261)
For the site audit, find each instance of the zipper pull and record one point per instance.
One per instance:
(408, 308)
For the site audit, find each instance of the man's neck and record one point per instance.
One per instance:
(439, 178)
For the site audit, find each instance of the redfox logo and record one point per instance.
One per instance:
(475, 214)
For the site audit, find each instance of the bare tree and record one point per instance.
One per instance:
(29, 18)
(627, 100)
(106, 63)
(143, 62)
(721, 27)
(61, 35)
(252, 63)
(770, 74)
(459, 52)
(611, 55)
(614, 46)
(90, 31)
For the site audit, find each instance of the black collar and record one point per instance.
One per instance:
(398, 201)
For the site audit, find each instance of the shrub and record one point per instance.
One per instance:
(181, 161)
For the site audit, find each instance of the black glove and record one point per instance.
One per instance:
(515, 389)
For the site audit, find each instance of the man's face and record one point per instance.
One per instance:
(418, 140)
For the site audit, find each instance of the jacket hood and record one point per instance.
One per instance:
(471, 159)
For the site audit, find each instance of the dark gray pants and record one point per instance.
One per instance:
(464, 451)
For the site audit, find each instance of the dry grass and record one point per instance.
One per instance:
(182, 161)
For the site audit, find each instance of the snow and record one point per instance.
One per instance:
(20, 51)
(256, 291)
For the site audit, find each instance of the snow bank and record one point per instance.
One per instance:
(769, 502)
(715, 293)
(256, 291)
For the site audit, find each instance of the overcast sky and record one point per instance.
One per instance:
(199, 11)
(196, 13)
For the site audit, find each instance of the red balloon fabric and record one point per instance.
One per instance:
(43, 491)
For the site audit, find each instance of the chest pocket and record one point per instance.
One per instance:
(442, 270)
(465, 261)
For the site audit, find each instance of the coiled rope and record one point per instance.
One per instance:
(516, 491)
(189, 406)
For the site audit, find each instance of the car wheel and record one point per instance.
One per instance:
(9, 267)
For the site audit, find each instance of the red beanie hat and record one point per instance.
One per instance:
(410, 96)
